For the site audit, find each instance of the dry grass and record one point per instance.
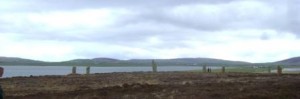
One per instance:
(168, 85)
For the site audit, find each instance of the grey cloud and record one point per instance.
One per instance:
(153, 19)
(48, 5)
(177, 27)
(293, 16)
(264, 36)
(198, 20)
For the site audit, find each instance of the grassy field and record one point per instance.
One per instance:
(160, 85)
(250, 69)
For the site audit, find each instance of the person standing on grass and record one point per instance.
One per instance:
(1, 91)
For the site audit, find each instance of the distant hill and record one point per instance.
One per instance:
(188, 61)
(91, 62)
(116, 62)
(290, 61)
(14, 61)
(18, 61)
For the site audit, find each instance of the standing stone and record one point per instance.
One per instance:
(269, 69)
(1, 90)
(204, 68)
(279, 70)
(154, 66)
(223, 69)
(88, 70)
(1, 71)
(74, 70)
(208, 70)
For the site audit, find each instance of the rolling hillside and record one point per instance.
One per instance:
(290, 61)
(18, 61)
(116, 62)
(141, 62)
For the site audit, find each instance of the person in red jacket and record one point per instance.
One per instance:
(1, 91)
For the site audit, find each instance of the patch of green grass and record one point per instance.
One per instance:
(246, 69)
(243, 69)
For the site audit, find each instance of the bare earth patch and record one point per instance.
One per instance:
(164, 85)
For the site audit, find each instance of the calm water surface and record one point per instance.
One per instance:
(13, 71)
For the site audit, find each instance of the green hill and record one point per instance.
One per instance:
(116, 62)
(141, 62)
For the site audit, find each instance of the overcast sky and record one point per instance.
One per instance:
(59, 30)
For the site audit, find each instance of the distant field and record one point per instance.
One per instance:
(250, 69)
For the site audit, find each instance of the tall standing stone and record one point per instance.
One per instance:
(1, 90)
(88, 70)
(154, 66)
(223, 69)
(204, 68)
(74, 70)
(1, 71)
(279, 70)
